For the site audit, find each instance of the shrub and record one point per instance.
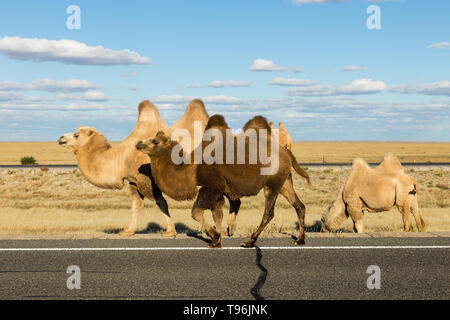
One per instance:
(28, 160)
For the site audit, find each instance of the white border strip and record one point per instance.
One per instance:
(225, 248)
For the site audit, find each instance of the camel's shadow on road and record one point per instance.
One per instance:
(155, 228)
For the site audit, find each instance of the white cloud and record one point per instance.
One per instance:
(439, 45)
(360, 86)
(169, 106)
(433, 88)
(195, 85)
(229, 83)
(172, 99)
(88, 96)
(50, 107)
(220, 99)
(279, 81)
(266, 65)
(50, 85)
(221, 84)
(224, 100)
(67, 51)
(354, 68)
(314, 90)
(7, 96)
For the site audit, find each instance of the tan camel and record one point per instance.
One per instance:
(374, 190)
(108, 167)
(285, 137)
(232, 180)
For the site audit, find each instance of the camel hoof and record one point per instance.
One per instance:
(248, 244)
(169, 233)
(299, 242)
(126, 233)
(227, 233)
(215, 246)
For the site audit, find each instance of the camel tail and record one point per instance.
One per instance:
(416, 187)
(297, 168)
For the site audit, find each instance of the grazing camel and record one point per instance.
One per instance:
(222, 178)
(108, 167)
(374, 190)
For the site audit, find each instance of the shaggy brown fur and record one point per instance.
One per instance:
(231, 180)
(374, 190)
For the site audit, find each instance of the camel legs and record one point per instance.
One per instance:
(136, 208)
(271, 197)
(162, 205)
(416, 212)
(217, 215)
(355, 212)
(234, 209)
(405, 210)
(197, 214)
(288, 192)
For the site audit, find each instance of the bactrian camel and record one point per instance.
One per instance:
(374, 190)
(179, 181)
(108, 167)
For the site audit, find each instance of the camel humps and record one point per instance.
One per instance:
(374, 190)
(285, 136)
(108, 167)
(222, 178)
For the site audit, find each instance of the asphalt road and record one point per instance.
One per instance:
(326, 268)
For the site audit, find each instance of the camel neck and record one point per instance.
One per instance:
(177, 181)
(102, 165)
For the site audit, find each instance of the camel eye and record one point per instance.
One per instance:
(155, 142)
(76, 135)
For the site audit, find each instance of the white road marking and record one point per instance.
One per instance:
(224, 248)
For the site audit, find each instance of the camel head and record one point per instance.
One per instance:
(335, 214)
(77, 139)
(158, 146)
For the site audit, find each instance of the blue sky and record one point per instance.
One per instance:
(314, 66)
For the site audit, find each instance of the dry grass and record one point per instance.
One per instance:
(62, 201)
(305, 152)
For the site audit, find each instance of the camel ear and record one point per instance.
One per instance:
(89, 130)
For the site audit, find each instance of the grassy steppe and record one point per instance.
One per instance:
(305, 152)
(62, 201)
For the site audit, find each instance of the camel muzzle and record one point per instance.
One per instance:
(140, 145)
(62, 140)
